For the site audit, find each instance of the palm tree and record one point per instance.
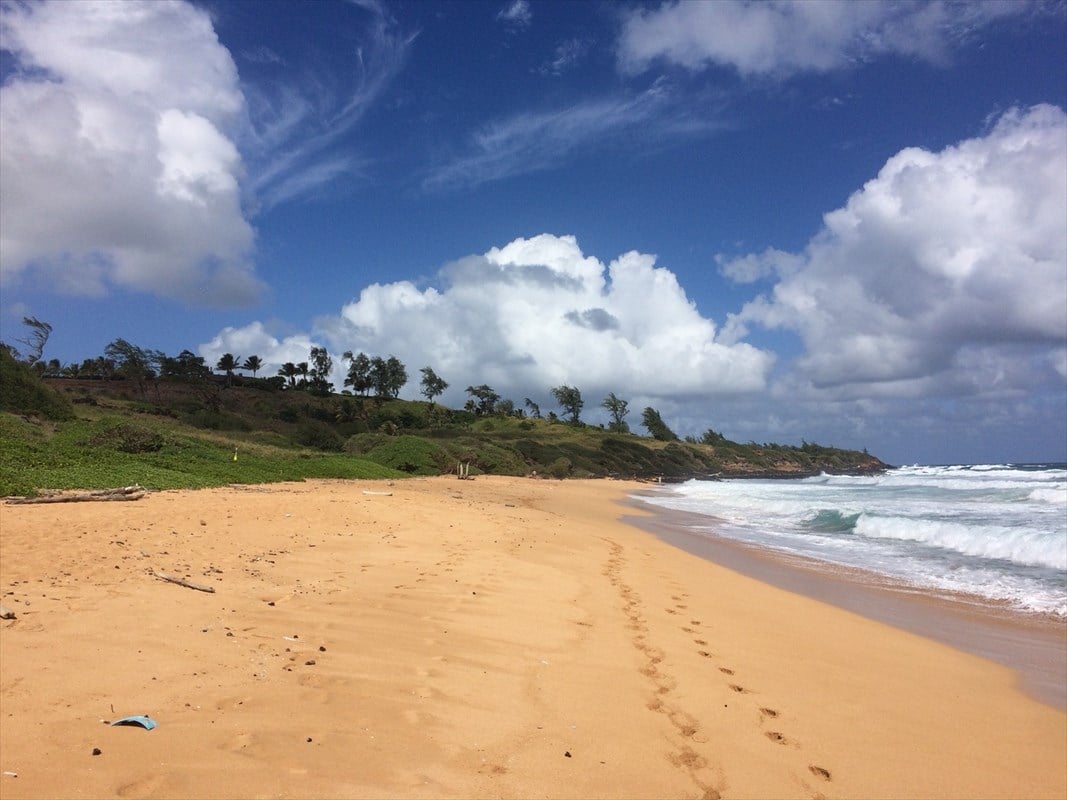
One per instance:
(253, 364)
(228, 363)
(302, 368)
(289, 370)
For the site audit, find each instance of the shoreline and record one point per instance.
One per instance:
(435, 638)
(1034, 645)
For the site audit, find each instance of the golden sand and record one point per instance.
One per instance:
(499, 637)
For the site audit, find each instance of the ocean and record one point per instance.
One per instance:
(993, 533)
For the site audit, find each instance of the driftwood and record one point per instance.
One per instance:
(182, 582)
(6, 613)
(134, 492)
(378, 494)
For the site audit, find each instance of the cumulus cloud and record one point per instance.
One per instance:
(943, 275)
(789, 36)
(116, 152)
(538, 313)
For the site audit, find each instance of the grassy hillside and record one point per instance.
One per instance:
(93, 434)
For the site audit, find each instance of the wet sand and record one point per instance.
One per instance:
(499, 637)
(1034, 645)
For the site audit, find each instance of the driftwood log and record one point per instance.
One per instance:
(200, 587)
(135, 492)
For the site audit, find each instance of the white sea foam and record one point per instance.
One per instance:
(994, 530)
(1021, 546)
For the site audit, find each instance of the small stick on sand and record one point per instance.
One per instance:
(182, 582)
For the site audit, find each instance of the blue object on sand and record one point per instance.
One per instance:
(142, 720)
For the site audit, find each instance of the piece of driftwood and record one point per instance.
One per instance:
(134, 492)
(182, 582)
(6, 613)
(378, 494)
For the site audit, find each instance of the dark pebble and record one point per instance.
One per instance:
(97, 751)
(309, 738)
(567, 753)
(322, 648)
(310, 662)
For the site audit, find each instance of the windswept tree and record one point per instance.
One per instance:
(321, 367)
(302, 370)
(228, 363)
(656, 427)
(570, 400)
(388, 376)
(186, 366)
(398, 375)
(483, 400)
(618, 409)
(134, 363)
(535, 410)
(253, 364)
(359, 373)
(35, 339)
(432, 385)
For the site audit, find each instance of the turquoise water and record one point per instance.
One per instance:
(997, 532)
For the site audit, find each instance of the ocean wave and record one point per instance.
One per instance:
(1054, 496)
(1020, 546)
(831, 521)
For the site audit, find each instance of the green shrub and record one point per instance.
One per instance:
(23, 392)
(560, 468)
(320, 436)
(128, 438)
(410, 454)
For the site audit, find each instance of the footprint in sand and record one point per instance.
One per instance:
(704, 653)
(738, 689)
(776, 737)
(701, 642)
(726, 671)
(768, 712)
(819, 772)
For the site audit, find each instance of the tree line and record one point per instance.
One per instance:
(385, 377)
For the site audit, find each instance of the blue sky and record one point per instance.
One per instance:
(839, 222)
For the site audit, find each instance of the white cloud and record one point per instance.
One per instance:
(540, 140)
(255, 340)
(116, 156)
(534, 314)
(787, 36)
(517, 13)
(946, 275)
(294, 127)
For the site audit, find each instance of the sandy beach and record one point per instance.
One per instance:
(500, 637)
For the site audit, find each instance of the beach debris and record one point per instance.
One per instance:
(183, 582)
(6, 613)
(378, 494)
(567, 754)
(97, 751)
(141, 720)
(463, 470)
(134, 492)
(9, 774)
(309, 663)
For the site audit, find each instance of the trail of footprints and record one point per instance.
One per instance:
(687, 726)
(765, 713)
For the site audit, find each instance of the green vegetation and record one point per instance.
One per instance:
(137, 416)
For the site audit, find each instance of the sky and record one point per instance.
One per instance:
(814, 221)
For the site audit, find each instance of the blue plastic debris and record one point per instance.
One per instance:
(140, 719)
